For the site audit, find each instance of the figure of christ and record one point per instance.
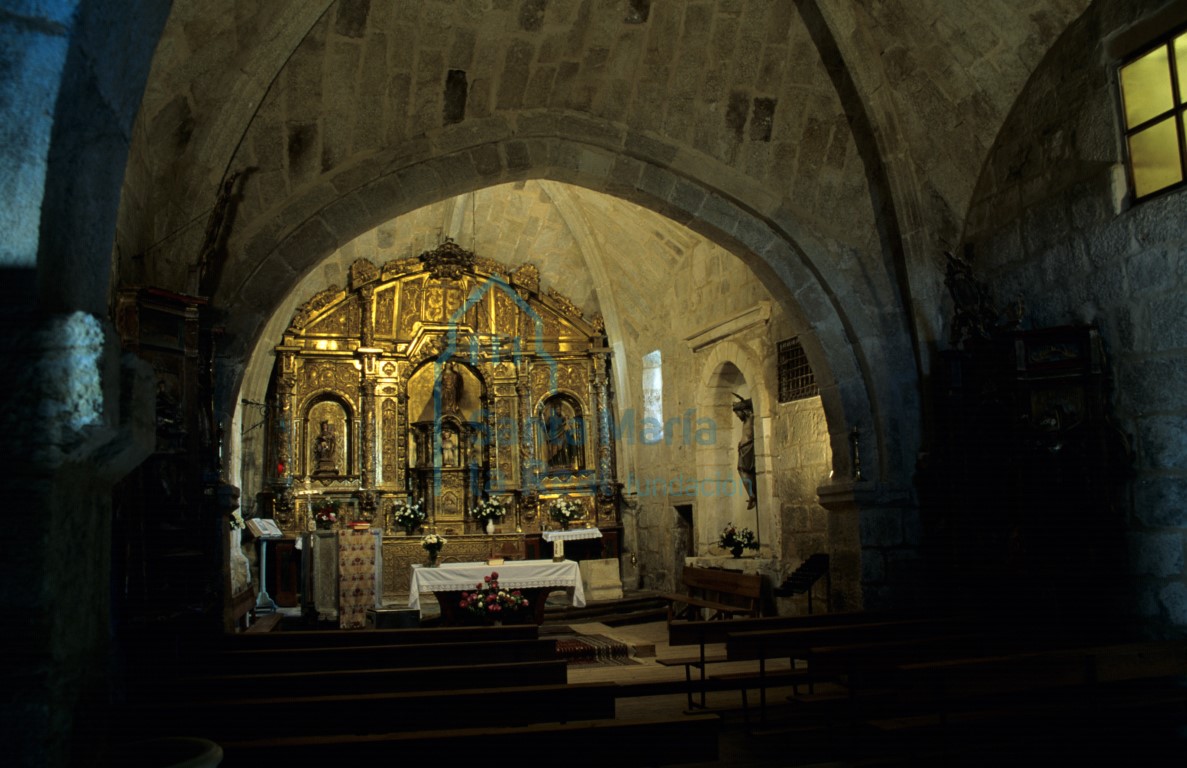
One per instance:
(744, 410)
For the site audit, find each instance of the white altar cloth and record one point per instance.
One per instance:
(573, 534)
(520, 574)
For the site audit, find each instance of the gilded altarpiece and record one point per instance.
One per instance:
(447, 379)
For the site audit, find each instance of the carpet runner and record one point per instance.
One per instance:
(593, 649)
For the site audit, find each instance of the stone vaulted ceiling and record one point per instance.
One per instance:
(849, 136)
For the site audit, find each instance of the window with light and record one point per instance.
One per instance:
(1153, 97)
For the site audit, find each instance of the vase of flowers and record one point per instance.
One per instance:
(737, 539)
(433, 544)
(325, 516)
(487, 512)
(490, 603)
(564, 511)
(408, 515)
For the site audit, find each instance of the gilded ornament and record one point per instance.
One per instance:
(527, 276)
(320, 301)
(361, 272)
(447, 261)
(565, 304)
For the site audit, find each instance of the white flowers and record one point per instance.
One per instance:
(563, 510)
(433, 541)
(735, 538)
(488, 509)
(237, 521)
(408, 514)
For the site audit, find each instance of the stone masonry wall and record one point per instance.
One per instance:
(1053, 223)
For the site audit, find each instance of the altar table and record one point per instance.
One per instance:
(534, 578)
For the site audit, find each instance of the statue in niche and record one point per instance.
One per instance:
(451, 388)
(744, 410)
(562, 435)
(449, 448)
(325, 450)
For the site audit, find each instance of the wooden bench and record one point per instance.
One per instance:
(247, 718)
(701, 633)
(340, 682)
(341, 638)
(1069, 693)
(723, 593)
(797, 643)
(644, 742)
(379, 656)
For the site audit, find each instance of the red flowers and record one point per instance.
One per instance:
(489, 599)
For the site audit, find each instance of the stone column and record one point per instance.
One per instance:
(874, 535)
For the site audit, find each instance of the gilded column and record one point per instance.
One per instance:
(605, 458)
(367, 358)
(527, 447)
(283, 435)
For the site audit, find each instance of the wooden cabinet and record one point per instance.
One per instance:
(1020, 493)
(169, 547)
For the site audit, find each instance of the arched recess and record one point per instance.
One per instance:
(861, 360)
(729, 372)
(561, 433)
(328, 429)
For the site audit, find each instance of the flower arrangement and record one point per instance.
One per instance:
(408, 514)
(488, 509)
(490, 601)
(736, 539)
(564, 511)
(433, 544)
(237, 522)
(325, 515)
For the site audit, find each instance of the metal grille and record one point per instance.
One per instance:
(796, 380)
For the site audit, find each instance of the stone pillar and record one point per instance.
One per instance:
(873, 534)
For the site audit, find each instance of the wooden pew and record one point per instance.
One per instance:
(1070, 693)
(379, 656)
(725, 593)
(340, 638)
(647, 742)
(797, 643)
(321, 682)
(241, 719)
(701, 633)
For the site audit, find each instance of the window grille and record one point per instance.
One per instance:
(796, 380)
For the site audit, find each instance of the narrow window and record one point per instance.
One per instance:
(1152, 99)
(653, 398)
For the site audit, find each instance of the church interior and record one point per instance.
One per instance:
(840, 309)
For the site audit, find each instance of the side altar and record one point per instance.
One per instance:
(441, 383)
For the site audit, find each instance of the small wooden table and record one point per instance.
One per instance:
(534, 578)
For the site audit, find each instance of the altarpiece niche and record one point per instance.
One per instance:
(444, 379)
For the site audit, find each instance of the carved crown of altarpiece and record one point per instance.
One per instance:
(447, 377)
